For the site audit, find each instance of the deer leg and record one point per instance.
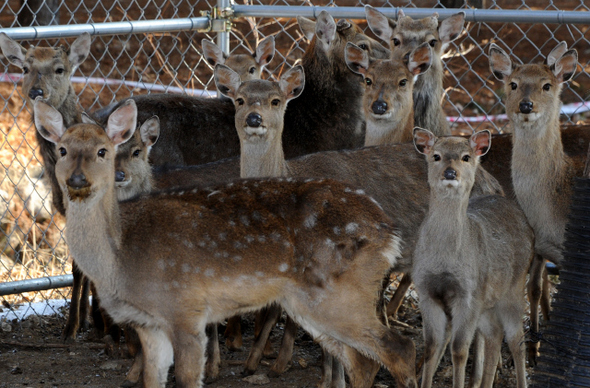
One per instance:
(213, 355)
(71, 328)
(233, 333)
(361, 370)
(463, 327)
(134, 373)
(327, 362)
(546, 298)
(399, 295)
(338, 380)
(84, 304)
(261, 318)
(435, 338)
(189, 358)
(157, 356)
(511, 319)
(493, 345)
(286, 349)
(271, 317)
(535, 293)
(478, 360)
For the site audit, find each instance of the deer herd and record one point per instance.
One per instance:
(303, 196)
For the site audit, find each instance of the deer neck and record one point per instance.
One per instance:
(397, 130)
(428, 92)
(69, 109)
(93, 233)
(262, 159)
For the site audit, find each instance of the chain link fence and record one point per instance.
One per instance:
(31, 233)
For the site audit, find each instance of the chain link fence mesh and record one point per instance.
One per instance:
(31, 233)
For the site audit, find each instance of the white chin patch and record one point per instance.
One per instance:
(449, 183)
(385, 116)
(124, 183)
(255, 131)
(528, 117)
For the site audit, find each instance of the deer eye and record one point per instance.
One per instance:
(436, 157)
(466, 158)
(59, 71)
(102, 152)
(513, 85)
(547, 87)
(62, 151)
(136, 153)
(403, 82)
(363, 46)
(275, 102)
(25, 70)
(432, 43)
(252, 70)
(396, 42)
(240, 101)
(368, 81)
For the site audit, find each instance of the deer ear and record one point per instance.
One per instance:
(213, 54)
(227, 81)
(451, 28)
(86, 119)
(265, 51)
(14, 52)
(293, 82)
(307, 27)
(481, 142)
(556, 53)
(500, 63)
(565, 67)
(48, 121)
(79, 50)
(150, 131)
(420, 59)
(122, 122)
(379, 24)
(357, 59)
(423, 140)
(325, 29)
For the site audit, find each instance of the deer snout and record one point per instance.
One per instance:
(77, 181)
(119, 176)
(379, 107)
(254, 120)
(34, 93)
(525, 107)
(450, 174)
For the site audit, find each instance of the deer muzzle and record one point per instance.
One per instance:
(379, 107)
(78, 187)
(525, 107)
(34, 93)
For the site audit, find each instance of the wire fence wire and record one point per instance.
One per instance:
(31, 232)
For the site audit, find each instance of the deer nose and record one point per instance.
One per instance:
(34, 93)
(254, 120)
(379, 107)
(77, 181)
(450, 174)
(119, 176)
(526, 107)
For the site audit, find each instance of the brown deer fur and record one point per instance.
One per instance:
(263, 227)
(406, 34)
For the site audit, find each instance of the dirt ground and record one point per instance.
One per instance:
(32, 355)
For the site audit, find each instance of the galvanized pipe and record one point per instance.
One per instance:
(116, 28)
(471, 15)
(223, 37)
(38, 284)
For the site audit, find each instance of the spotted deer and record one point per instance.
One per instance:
(200, 130)
(406, 34)
(248, 66)
(280, 235)
(471, 262)
(47, 72)
(394, 175)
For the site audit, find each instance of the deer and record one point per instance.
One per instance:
(403, 36)
(383, 171)
(532, 105)
(47, 73)
(200, 130)
(296, 258)
(471, 262)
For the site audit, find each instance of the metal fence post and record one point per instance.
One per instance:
(224, 10)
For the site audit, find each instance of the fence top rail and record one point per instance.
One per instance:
(114, 28)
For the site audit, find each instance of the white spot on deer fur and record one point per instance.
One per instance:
(283, 267)
(188, 244)
(237, 258)
(225, 279)
(186, 268)
(222, 236)
(336, 230)
(194, 191)
(310, 221)
(308, 180)
(230, 184)
(347, 190)
(171, 263)
(181, 193)
(244, 220)
(232, 223)
(261, 239)
(360, 192)
(259, 274)
(202, 244)
(238, 245)
(210, 272)
(197, 269)
(175, 284)
(161, 264)
(287, 244)
(351, 227)
(376, 203)
(217, 255)
(213, 193)
(166, 287)
(194, 224)
(393, 251)
(343, 200)
(249, 239)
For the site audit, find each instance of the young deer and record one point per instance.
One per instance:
(248, 66)
(47, 73)
(387, 103)
(470, 263)
(279, 236)
(381, 171)
(200, 130)
(406, 34)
